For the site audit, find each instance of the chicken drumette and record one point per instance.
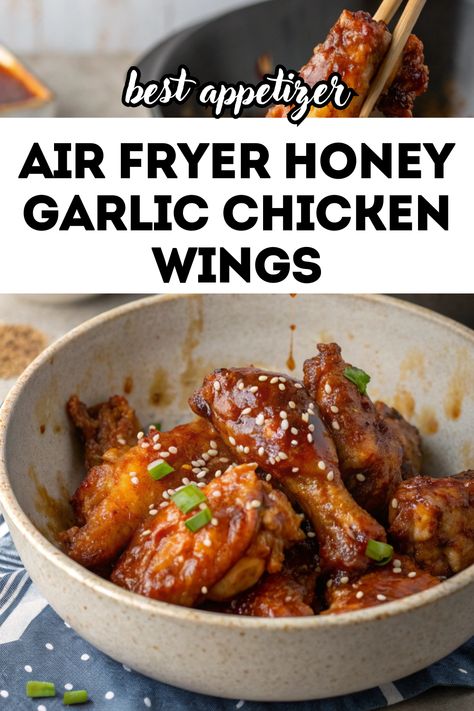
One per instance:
(370, 450)
(251, 525)
(432, 520)
(270, 419)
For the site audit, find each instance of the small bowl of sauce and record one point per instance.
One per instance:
(21, 93)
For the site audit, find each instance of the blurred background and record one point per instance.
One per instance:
(80, 49)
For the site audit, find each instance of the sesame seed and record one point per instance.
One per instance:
(311, 534)
(335, 425)
(261, 451)
(164, 504)
(294, 431)
(321, 465)
(146, 533)
(212, 452)
(397, 570)
(253, 389)
(134, 480)
(246, 450)
(121, 440)
(260, 419)
(283, 415)
(246, 411)
(309, 437)
(232, 441)
(412, 574)
(204, 590)
(203, 506)
(272, 460)
(196, 470)
(282, 455)
(328, 389)
(284, 425)
(205, 457)
(295, 469)
(381, 597)
(201, 484)
(224, 460)
(359, 595)
(292, 404)
(305, 417)
(329, 583)
(344, 580)
(132, 473)
(140, 435)
(216, 494)
(268, 477)
(397, 563)
(298, 386)
(171, 492)
(201, 475)
(240, 385)
(311, 428)
(213, 444)
(281, 386)
(282, 379)
(218, 473)
(153, 512)
(145, 445)
(294, 442)
(254, 504)
(277, 458)
(173, 449)
(214, 521)
(394, 504)
(360, 477)
(273, 381)
(156, 437)
(157, 447)
(240, 447)
(330, 476)
(164, 455)
(165, 495)
(262, 378)
(334, 409)
(217, 385)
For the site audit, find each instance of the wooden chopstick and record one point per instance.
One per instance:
(387, 10)
(399, 39)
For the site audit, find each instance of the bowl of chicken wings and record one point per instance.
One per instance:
(259, 497)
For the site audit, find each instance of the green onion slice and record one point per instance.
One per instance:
(359, 377)
(75, 697)
(40, 689)
(159, 469)
(200, 519)
(188, 498)
(381, 553)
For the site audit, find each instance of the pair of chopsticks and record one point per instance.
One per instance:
(400, 35)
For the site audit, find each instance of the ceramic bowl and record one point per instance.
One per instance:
(421, 362)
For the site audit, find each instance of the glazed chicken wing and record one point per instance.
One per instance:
(355, 48)
(408, 436)
(111, 424)
(400, 578)
(370, 456)
(251, 526)
(289, 593)
(120, 491)
(270, 419)
(432, 520)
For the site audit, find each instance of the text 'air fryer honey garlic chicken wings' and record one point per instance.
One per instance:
(355, 48)
(270, 419)
(250, 526)
(116, 495)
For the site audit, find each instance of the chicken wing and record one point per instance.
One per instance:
(400, 578)
(270, 419)
(410, 81)
(408, 436)
(370, 456)
(432, 520)
(111, 424)
(289, 593)
(124, 491)
(354, 47)
(251, 522)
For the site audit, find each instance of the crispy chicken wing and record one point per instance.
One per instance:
(289, 593)
(121, 491)
(270, 419)
(432, 520)
(408, 436)
(398, 579)
(111, 424)
(354, 47)
(251, 522)
(410, 81)
(370, 456)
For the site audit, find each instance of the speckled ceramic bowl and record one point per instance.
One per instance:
(162, 346)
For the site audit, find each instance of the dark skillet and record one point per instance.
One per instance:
(228, 48)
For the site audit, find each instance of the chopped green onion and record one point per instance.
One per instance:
(382, 553)
(40, 689)
(200, 519)
(159, 469)
(188, 498)
(75, 697)
(359, 377)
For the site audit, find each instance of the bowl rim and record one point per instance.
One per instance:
(66, 566)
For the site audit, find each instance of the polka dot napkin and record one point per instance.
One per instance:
(36, 644)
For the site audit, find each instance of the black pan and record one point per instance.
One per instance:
(228, 48)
